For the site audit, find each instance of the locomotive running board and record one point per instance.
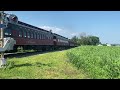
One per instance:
(8, 44)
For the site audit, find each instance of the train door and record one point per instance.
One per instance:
(54, 40)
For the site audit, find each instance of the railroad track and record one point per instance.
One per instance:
(25, 54)
(21, 54)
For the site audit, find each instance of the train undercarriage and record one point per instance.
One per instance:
(21, 48)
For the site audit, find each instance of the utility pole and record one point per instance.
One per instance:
(2, 60)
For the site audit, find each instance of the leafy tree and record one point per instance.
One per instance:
(83, 39)
(75, 39)
(94, 40)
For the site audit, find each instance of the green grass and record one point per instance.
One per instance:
(53, 65)
(99, 62)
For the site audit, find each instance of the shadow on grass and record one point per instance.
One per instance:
(12, 65)
(37, 64)
(21, 65)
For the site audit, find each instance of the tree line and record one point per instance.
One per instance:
(84, 39)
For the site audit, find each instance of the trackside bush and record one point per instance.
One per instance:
(98, 62)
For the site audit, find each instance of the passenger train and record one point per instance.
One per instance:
(31, 37)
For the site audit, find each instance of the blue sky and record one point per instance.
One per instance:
(104, 24)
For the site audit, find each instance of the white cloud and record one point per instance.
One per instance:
(60, 31)
(74, 34)
(54, 29)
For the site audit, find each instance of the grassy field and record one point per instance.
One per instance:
(99, 62)
(83, 62)
(52, 65)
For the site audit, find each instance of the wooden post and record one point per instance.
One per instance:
(1, 40)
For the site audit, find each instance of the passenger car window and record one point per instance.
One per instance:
(28, 34)
(20, 33)
(31, 34)
(34, 35)
(24, 33)
(38, 36)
